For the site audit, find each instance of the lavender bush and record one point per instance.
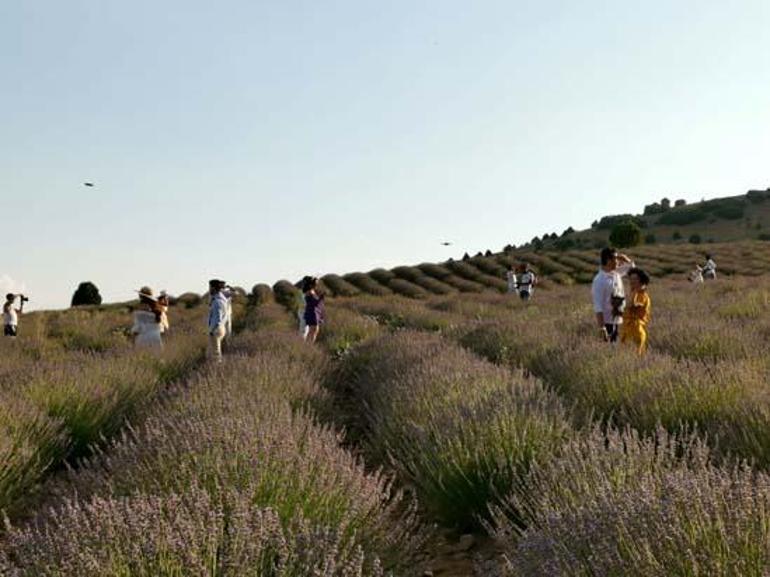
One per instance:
(456, 428)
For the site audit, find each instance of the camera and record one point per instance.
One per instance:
(618, 304)
(23, 299)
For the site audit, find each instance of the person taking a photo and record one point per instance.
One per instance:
(11, 315)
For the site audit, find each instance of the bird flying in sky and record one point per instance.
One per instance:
(88, 184)
(446, 243)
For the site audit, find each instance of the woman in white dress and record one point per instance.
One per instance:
(147, 321)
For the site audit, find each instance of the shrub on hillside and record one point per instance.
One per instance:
(261, 294)
(407, 289)
(758, 196)
(695, 239)
(86, 294)
(367, 284)
(339, 286)
(649, 239)
(564, 244)
(625, 235)
(287, 294)
(608, 222)
(189, 300)
(677, 235)
(683, 216)
(382, 276)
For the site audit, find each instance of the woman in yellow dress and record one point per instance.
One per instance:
(636, 316)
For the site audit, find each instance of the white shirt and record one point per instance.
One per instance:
(605, 286)
(217, 311)
(710, 265)
(511, 276)
(527, 281)
(10, 317)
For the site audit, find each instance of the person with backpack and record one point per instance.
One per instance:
(608, 293)
(527, 282)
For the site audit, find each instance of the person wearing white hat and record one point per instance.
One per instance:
(147, 321)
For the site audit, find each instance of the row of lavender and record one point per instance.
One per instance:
(231, 475)
(72, 379)
(492, 447)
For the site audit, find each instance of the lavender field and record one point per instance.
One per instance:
(459, 433)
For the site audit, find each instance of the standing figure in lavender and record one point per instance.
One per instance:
(314, 308)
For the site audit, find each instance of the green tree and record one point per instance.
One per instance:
(625, 235)
(650, 239)
(86, 294)
(695, 239)
(677, 235)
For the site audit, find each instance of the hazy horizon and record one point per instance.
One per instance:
(257, 141)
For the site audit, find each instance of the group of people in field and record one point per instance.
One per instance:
(521, 280)
(618, 317)
(151, 318)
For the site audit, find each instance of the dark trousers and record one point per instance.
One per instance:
(613, 331)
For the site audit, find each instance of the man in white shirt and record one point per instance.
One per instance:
(526, 282)
(609, 294)
(11, 315)
(218, 316)
(710, 269)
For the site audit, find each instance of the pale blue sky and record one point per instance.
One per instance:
(261, 140)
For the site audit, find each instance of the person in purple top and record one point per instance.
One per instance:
(314, 308)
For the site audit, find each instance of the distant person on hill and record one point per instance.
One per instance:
(710, 269)
(11, 315)
(510, 277)
(527, 282)
(163, 303)
(229, 293)
(696, 276)
(636, 316)
(218, 315)
(303, 328)
(147, 321)
(314, 308)
(608, 293)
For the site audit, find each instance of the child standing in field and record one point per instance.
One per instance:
(636, 315)
(510, 277)
(314, 308)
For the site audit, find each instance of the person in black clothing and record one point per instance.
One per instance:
(314, 308)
